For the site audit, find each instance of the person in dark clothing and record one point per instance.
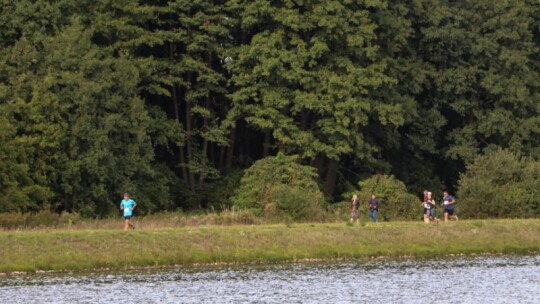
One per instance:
(448, 203)
(374, 207)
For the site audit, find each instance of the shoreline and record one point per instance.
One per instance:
(209, 266)
(63, 251)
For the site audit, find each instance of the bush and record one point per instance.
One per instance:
(293, 204)
(278, 186)
(340, 211)
(500, 184)
(396, 201)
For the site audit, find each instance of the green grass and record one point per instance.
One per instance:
(50, 220)
(79, 249)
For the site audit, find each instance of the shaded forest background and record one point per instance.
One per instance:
(172, 100)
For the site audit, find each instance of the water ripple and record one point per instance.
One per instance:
(507, 279)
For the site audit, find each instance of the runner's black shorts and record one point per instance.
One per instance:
(449, 211)
(127, 217)
(426, 211)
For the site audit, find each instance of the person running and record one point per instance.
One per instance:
(374, 207)
(432, 204)
(128, 205)
(427, 207)
(355, 204)
(448, 203)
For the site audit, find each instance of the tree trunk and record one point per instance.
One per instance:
(331, 177)
(212, 155)
(205, 143)
(176, 103)
(189, 127)
(222, 153)
(189, 146)
(230, 150)
(266, 145)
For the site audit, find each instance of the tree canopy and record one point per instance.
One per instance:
(170, 99)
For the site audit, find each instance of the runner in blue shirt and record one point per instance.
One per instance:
(448, 203)
(128, 205)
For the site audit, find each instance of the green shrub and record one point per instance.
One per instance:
(338, 211)
(279, 186)
(500, 184)
(233, 217)
(292, 202)
(396, 201)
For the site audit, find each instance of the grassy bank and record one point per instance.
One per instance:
(117, 249)
(51, 220)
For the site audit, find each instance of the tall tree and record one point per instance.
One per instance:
(82, 126)
(483, 70)
(305, 74)
(412, 151)
(196, 57)
(24, 25)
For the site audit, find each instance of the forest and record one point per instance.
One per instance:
(172, 100)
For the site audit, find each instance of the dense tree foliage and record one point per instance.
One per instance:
(500, 184)
(171, 99)
(280, 186)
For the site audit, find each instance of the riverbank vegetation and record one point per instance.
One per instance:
(173, 100)
(500, 184)
(64, 249)
(279, 190)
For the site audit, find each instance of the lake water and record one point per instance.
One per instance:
(507, 279)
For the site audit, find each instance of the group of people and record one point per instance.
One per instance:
(373, 208)
(127, 205)
(429, 207)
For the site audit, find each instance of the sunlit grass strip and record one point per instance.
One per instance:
(116, 249)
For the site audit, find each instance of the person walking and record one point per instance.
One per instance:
(448, 203)
(355, 205)
(127, 205)
(374, 207)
